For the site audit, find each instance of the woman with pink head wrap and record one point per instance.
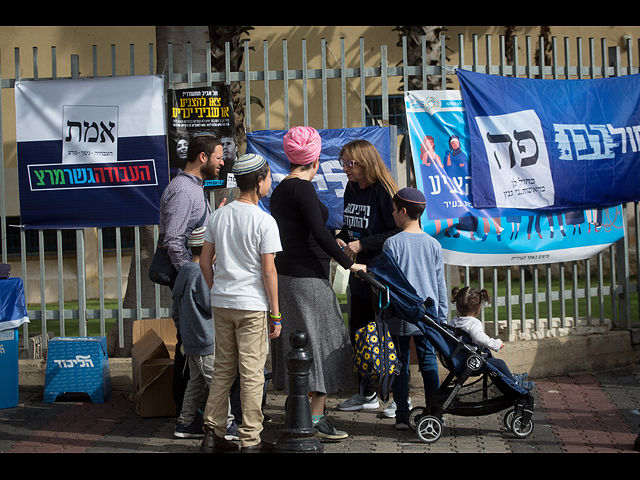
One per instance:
(302, 145)
(307, 300)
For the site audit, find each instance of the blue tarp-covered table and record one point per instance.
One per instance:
(13, 309)
(13, 313)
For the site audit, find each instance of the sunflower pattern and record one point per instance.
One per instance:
(368, 356)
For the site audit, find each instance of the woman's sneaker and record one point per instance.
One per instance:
(325, 429)
(359, 402)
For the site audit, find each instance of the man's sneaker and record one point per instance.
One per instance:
(193, 430)
(325, 429)
(390, 411)
(359, 402)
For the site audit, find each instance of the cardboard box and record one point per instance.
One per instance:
(152, 374)
(164, 327)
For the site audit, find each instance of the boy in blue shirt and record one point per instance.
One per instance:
(420, 258)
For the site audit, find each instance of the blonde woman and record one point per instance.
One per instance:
(368, 222)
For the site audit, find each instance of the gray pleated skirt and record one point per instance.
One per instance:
(310, 305)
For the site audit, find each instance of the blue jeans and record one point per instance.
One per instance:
(428, 363)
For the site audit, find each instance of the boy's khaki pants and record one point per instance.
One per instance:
(241, 343)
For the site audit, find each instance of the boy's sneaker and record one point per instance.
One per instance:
(390, 411)
(232, 431)
(359, 402)
(325, 429)
(193, 430)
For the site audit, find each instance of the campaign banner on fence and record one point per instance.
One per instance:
(552, 144)
(91, 152)
(330, 181)
(496, 236)
(202, 110)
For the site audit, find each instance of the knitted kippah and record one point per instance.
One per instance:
(248, 163)
(411, 195)
(196, 239)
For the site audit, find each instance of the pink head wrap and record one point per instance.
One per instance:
(302, 145)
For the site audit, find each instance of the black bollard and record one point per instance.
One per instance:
(297, 434)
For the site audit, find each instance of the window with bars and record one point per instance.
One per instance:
(396, 112)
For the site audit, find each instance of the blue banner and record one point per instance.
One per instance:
(330, 181)
(494, 236)
(552, 144)
(91, 152)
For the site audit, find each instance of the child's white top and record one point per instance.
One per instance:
(475, 329)
(241, 233)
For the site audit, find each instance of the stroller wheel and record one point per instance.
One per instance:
(521, 429)
(508, 419)
(414, 416)
(429, 429)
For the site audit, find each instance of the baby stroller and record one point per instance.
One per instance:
(461, 358)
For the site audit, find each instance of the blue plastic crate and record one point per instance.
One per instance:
(78, 365)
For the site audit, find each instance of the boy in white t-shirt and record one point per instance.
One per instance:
(242, 240)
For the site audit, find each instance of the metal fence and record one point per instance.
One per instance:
(598, 291)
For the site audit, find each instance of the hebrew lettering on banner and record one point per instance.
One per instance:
(578, 140)
(440, 146)
(91, 152)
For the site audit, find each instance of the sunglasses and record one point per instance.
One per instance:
(348, 163)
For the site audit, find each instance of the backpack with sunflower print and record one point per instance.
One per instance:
(375, 356)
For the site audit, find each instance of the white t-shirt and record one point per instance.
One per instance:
(241, 233)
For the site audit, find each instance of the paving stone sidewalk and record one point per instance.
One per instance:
(591, 413)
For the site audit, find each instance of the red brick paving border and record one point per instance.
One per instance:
(582, 415)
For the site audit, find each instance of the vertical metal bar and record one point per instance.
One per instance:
(508, 302)
(136, 251)
(587, 288)
(561, 294)
(247, 85)
(549, 296)
(536, 303)
(119, 286)
(363, 103)
(60, 281)
(208, 63)
(305, 95)
(43, 301)
(265, 57)
(285, 72)
(574, 292)
(522, 299)
(82, 288)
(101, 281)
(323, 58)
(113, 60)
(343, 83)
(189, 66)
(23, 262)
(94, 58)
(384, 72)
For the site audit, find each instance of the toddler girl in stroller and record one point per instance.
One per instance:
(469, 301)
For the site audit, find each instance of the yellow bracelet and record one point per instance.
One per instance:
(271, 315)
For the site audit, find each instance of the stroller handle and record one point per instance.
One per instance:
(367, 277)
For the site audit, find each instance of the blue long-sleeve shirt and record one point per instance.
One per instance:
(419, 256)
